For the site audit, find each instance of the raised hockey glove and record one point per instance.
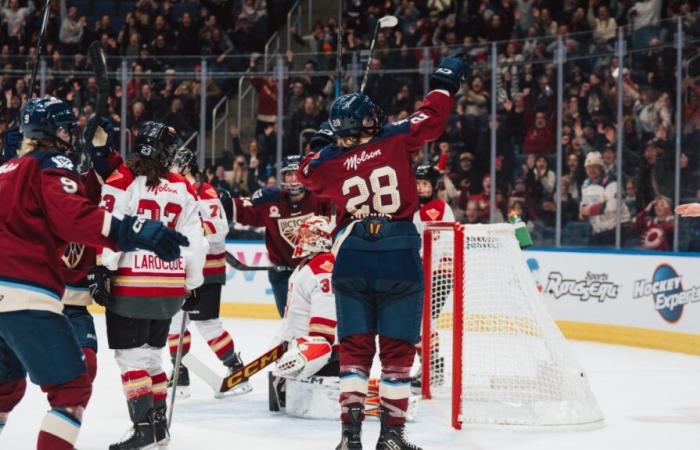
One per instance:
(304, 357)
(133, 232)
(322, 137)
(191, 302)
(102, 145)
(449, 74)
(99, 285)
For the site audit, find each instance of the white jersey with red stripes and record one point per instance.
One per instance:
(173, 202)
(310, 300)
(215, 230)
(436, 210)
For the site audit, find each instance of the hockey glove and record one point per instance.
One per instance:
(133, 232)
(99, 285)
(191, 302)
(449, 74)
(304, 357)
(102, 145)
(322, 137)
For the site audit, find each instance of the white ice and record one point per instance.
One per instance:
(651, 401)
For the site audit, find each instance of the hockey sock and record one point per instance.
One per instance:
(173, 340)
(59, 429)
(356, 354)
(11, 392)
(220, 342)
(159, 383)
(91, 362)
(138, 389)
(396, 357)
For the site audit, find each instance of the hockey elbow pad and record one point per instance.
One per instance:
(98, 279)
(133, 232)
(449, 74)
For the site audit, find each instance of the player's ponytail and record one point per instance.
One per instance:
(152, 169)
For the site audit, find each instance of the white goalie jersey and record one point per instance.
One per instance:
(310, 301)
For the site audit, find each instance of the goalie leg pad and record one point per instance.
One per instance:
(313, 398)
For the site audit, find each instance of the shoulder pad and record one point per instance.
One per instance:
(207, 191)
(177, 178)
(53, 160)
(322, 263)
(121, 178)
(266, 195)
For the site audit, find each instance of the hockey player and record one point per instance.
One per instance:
(206, 298)
(44, 207)
(433, 209)
(140, 291)
(280, 211)
(378, 272)
(309, 322)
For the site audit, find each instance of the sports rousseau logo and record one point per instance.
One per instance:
(595, 286)
(354, 161)
(666, 288)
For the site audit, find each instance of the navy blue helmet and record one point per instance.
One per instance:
(156, 141)
(44, 118)
(352, 114)
(291, 164)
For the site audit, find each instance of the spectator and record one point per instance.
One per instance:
(599, 202)
(644, 16)
(604, 27)
(308, 117)
(539, 137)
(655, 174)
(16, 17)
(464, 177)
(72, 29)
(655, 230)
(177, 118)
(473, 213)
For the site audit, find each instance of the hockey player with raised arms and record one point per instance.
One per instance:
(377, 276)
(280, 211)
(309, 321)
(44, 208)
(206, 299)
(141, 291)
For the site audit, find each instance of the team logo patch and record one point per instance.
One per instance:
(116, 175)
(288, 227)
(73, 254)
(62, 162)
(274, 212)
(433, 213)
(327, 266)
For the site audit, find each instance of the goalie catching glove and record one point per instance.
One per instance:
(304, 357)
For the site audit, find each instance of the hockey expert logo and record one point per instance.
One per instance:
(667, 291)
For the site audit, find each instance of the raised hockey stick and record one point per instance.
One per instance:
(39, 46)
(384, 22)
(96, 56)
(221, 384)
(238, 265)
(176, 368)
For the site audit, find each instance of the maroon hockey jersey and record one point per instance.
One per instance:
(377, 177)
(272, 209)
(43, 207)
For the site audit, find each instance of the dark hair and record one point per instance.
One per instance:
(149, 168)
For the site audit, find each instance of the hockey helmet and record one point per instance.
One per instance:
(156, 141)
(290, 164)
(185, 159)
(313, 236)
(45, 118)
(431, 175)
(352, 114)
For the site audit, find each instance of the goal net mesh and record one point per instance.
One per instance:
(491, 348)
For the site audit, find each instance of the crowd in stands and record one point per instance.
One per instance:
(157, 36)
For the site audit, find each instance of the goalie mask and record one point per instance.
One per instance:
(313, 236)
(156, 141)
(290, 183)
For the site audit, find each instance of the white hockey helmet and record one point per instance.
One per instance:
(313, 236)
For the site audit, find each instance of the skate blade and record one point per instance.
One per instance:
(241, 389)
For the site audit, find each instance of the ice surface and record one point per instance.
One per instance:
(651, 400)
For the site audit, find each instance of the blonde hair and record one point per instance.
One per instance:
(347, 142)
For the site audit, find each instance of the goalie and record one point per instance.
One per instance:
(297, 383)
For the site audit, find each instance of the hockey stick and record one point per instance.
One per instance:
(96, 56)
(384, 22)
(339, 51)
(176, 368)
(236, 264)
(39, 46)
(221, 384)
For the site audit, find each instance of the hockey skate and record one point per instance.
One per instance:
(352, 432)
(392, 437)
(244, 387)
(183, 382)
(142, 437)
(160, 422)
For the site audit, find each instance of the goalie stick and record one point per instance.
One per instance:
(238, 265)
(221, 384)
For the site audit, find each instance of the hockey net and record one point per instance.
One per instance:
(489, 346)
